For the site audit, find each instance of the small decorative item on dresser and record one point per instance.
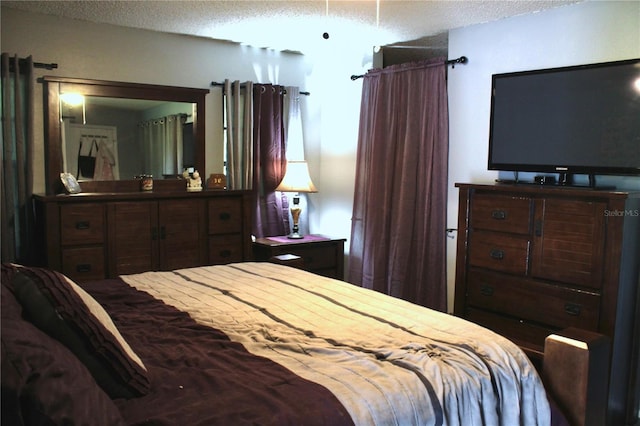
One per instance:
(217, 181)
(70, 183)
(194, 183)
(146, 182)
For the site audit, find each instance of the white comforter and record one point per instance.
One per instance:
(388, 361)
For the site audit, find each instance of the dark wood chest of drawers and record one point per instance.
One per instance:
(96, 236)
(532, 261)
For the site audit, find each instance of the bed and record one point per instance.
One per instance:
(249, 343)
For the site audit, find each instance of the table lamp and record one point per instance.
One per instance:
(296, 179)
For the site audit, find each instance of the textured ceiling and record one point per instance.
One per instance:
(295, 25)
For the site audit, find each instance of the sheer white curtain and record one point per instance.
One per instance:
(162, 139)
(239, 134)
(293, 124)
(295, 145)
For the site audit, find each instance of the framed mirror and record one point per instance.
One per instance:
(115, 131)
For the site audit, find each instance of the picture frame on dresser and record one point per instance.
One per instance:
(70, 183)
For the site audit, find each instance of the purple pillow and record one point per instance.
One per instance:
(42, 381)
(64, 311)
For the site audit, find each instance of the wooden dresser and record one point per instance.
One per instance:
(100, 235)
(534, 260)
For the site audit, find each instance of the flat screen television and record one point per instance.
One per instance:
(572, 120)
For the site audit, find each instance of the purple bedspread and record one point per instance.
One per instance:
(199, 377)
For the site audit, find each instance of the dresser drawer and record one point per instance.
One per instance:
(551, 305)
(225, 216)
(82, 224)
(501, 213)
(316, 257)
(84, 263)
(225, 249)
(499, 252)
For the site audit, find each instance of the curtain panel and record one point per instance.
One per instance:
(293, 124)
(256, 151)
(162, 138)
(17, 160)
(271, 215)
(398, 239)
(295, 148)
(239, 135)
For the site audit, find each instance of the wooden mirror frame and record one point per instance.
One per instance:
(53, 86)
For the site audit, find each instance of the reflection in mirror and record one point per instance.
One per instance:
(127, 138)
(138, 129)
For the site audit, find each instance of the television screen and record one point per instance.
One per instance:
(581, 119)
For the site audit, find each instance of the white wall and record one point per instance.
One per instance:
(589, 32)
(338, 100)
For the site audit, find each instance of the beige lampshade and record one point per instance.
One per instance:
(296, 178)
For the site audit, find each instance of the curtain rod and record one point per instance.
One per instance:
(23, 63)
(43, 65)
(452, 62)
(242, 85)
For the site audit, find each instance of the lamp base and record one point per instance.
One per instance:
(295, 215)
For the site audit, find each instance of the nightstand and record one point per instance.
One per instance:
(321, 255)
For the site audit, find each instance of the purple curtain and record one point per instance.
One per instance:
(398, 238)
(271, 216)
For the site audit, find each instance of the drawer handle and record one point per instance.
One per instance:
(83, 224)
(572, 309)
(225, 216)
(83, 267)
(225, 253)
(496, 254)
(499, 214)
(154, 233)
(486, 290)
